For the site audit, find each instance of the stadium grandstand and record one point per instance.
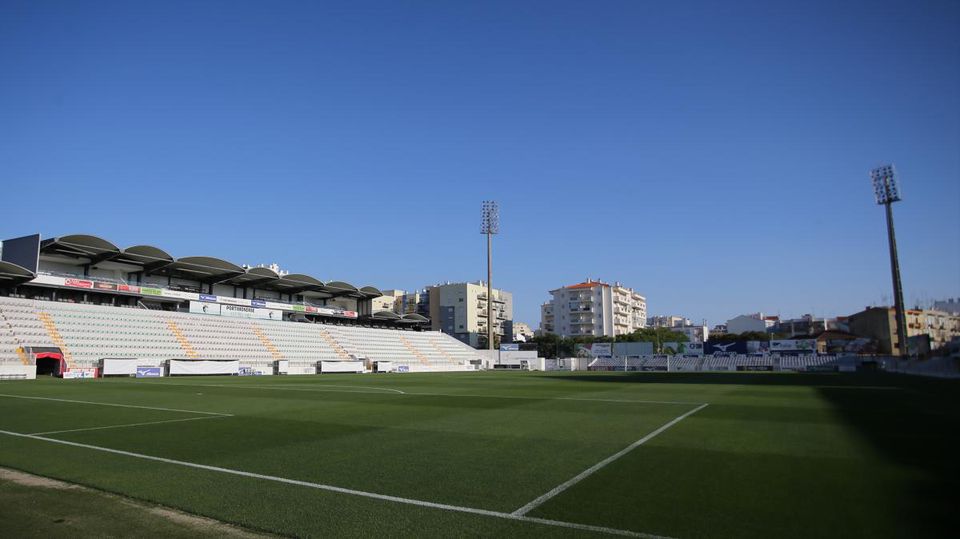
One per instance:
(71, 303)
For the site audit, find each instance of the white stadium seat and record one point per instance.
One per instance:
(89, 333)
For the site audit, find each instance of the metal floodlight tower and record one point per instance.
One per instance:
(886, 191)
(490, 225)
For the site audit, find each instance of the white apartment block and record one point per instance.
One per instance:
(460, 310)
(593, 308)
(751, 322)
(668, 321)
(391, 300)
(522, 332)
(547, 324)
(695, 332)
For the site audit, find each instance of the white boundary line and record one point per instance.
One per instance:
(598, 466)
(323, 389)
(875, 388)
(585, 399)
(343, 389)
(117, 405)
(341, 490)
(129, 425)
(307, 386)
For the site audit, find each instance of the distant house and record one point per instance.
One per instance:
(751, 322)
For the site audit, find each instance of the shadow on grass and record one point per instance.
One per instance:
(733, 378)
(912, 423)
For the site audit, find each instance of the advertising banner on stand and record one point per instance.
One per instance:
(236, 311)
(793, 345)
(198, 307)
(597, 349)
(149, 372)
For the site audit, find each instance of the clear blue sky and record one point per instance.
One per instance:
(712, 155)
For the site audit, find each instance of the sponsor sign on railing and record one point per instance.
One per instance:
(237, 311)
(73, 374)
(149, 372)
(807, 345)
(597, 349)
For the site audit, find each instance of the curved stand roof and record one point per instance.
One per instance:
(391, 316)
(91, 249)
(147, 256)
(206, 269)
(12, 274)
(255, 278)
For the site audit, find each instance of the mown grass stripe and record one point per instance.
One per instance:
(116, 405)
(603, 463)
(128, 425)
(342, 490)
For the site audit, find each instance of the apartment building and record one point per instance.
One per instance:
(391, 300)
(460, 310)
(593, 308)
(522, 332)
(879, 324)
(668, 321)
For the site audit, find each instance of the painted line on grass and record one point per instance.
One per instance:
(129, 425)
(308, 386)
(341, 490)
(340, 389)
(603, 463)
(326, 388)
(875, 388)
(525, 397)
(117, 405)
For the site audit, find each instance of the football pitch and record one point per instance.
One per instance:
(508, 453)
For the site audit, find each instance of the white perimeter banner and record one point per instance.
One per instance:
(806, 345)
(341, 366)
(200, 307)
(73, 374)
(199, 366)
(179, 294)
(26, 372)
(120, 366)
(597, 349)
(237, 311)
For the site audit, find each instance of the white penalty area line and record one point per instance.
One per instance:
(125, 425)
(116, 405)
(341, 490)
(603, 463)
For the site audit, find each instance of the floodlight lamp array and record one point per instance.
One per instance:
(490, 217)
(885, 186)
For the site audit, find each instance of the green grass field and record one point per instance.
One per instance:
(483, 454)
